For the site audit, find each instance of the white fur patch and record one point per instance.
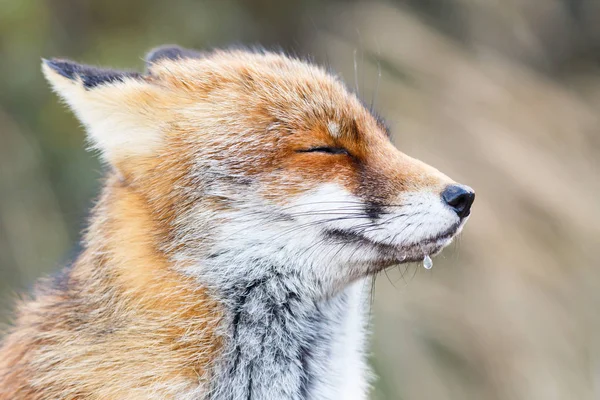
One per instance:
(334, 129)
(348, 352)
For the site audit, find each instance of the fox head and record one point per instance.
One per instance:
(254, 163)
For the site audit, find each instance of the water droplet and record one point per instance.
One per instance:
(427, 263)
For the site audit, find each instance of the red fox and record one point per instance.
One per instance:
(249, 197)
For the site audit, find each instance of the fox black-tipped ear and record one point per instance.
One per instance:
(90, 76)
(170, 52)
(119, 109)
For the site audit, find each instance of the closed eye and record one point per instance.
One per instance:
(326, 150)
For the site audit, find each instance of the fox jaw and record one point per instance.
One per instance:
(253, 163)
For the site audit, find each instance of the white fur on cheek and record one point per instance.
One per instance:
(329, 205)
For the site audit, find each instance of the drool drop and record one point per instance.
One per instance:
(427, 263)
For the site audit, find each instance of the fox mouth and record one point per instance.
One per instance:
(399, 254)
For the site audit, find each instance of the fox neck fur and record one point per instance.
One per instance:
(263, 337)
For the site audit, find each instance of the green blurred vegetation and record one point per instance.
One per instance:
(501, 95)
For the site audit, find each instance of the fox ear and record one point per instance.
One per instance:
(170, 52)
(118, 108)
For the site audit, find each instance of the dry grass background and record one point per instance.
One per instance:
(501, 95)
(511, 312)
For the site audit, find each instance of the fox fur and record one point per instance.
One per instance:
(248, 200)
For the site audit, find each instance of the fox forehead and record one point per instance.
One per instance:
(250, 113)
(268, 87)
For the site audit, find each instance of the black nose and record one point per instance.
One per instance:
(460, 198)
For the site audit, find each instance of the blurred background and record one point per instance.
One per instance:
(503, 95)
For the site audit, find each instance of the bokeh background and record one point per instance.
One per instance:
(503, 95)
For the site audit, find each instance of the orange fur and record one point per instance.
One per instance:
(125, 317)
